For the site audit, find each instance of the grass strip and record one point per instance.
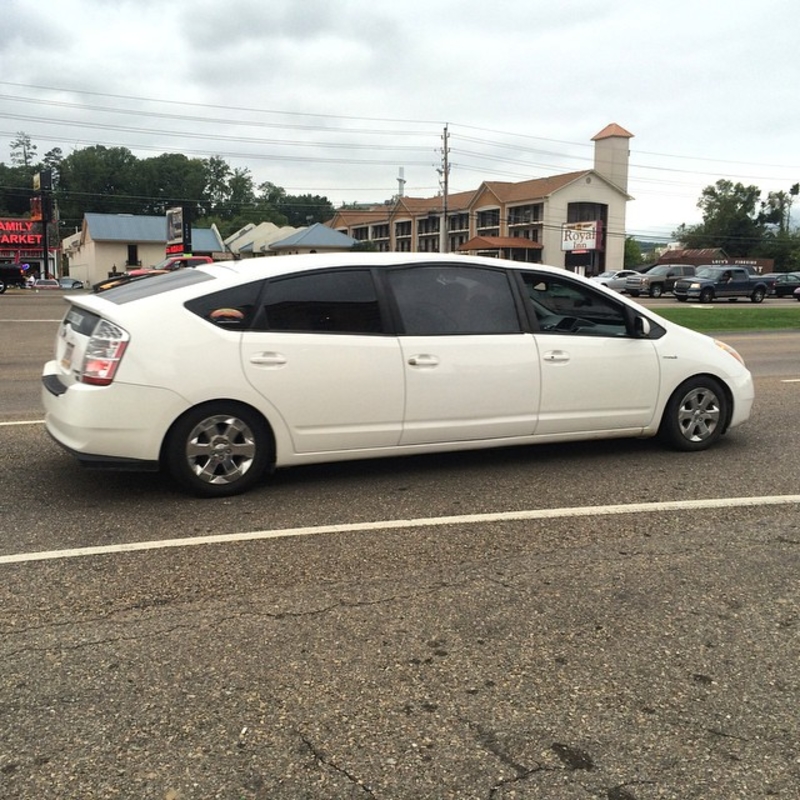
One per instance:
(730, 317)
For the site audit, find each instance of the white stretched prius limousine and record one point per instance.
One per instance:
(221, 372)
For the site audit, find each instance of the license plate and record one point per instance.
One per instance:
(66, 359)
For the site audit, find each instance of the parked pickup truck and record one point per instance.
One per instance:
(658, 280)
(12, 275)
(721, 283)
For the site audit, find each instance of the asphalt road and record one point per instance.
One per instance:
(606, 620)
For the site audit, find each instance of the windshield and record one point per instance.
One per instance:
(163, 264)
(706, 272)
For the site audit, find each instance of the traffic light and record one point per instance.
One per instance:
(36, 209)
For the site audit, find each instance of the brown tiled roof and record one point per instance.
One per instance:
(534, 189)
(505, 191)
(612, 130)
(706, 252)
(358, 216)
(500, 243)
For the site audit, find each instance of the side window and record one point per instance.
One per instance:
(339, 301)
(231, 308)
(442, 300)
(561, 305)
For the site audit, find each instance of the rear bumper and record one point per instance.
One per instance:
(110, 463)
(120, 426)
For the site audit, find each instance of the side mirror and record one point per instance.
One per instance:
(641, 327)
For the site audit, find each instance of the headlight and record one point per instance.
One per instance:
(694, 285)
(729, 350)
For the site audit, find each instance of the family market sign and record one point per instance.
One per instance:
(20, 238)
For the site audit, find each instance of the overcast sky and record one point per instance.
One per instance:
(334, 97)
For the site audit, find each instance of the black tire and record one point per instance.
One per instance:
(695, 416)
(757, 296)
(633, 294)
(218, 449)
(2, 287)
(657, 290)
(707, 296)
(680, 299)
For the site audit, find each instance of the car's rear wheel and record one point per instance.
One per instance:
(3, 287)
(757, 296)
(695, 415)
(218, 449)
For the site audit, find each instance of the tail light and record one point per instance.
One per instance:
(104, 352)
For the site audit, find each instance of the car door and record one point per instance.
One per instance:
(596, 377)
(471, 373)
(319, 356)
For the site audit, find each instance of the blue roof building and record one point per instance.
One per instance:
(116, 242)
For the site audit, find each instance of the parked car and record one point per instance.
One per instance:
(721, 283)
(614, 278)
(275, 362)
(70, 283)
(786, 283)
(658, 280)
(46, 283)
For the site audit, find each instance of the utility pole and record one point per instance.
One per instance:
(444, 239)
(43, 184)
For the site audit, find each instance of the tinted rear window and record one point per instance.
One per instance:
(84, 322)
(149, 285)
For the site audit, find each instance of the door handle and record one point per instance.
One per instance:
(269, 360)
(423, 360)
(556, 356)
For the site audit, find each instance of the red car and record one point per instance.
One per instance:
(167, 265)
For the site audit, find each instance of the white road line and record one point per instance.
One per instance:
(22, 422)
(467, 519)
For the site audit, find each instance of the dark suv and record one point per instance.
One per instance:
(11, 275)
(657, 280)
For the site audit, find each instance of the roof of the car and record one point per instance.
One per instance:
(281, 265)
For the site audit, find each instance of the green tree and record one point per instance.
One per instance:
(98, 179)
(731, 220)
(306, 209)
(16, 190)
(217, 193)
(633, 253)
(169, 180)
(23, 150)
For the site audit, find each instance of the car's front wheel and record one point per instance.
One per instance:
(218, 449)
(757, 296)
(657, 290)
(695, 415)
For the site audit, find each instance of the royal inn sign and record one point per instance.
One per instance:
(580, 237)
